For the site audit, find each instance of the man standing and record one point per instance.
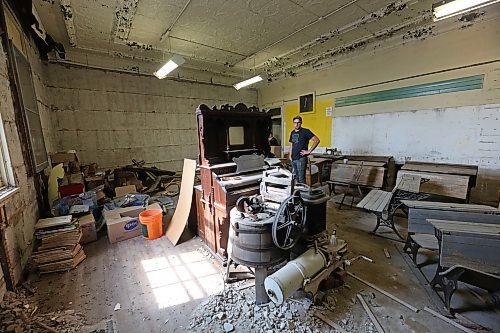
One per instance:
(299, 148)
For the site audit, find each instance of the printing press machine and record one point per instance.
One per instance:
(253, 214)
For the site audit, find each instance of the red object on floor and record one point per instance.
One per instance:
(71, 189)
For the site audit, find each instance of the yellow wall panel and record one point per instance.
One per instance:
(318, 122)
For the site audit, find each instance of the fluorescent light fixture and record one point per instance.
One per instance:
(250, 81)
(448, 8)
(172, 64)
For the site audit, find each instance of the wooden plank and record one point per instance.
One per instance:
(465, 226)
(449, 206)
(394, 298)
(457, 169)
(369, 158)
(384, 202)
(417, 218)
(371, 198)
(351, 174)
(376, 203)
(330, 322)
(370, 314)
(375, 197)
(365, 163)
(449, 321)
(367, 198)
(180, 218)
(455, 186)
(408, 183)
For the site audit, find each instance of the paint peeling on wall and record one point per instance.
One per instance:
(122, 55)
(419, 33)
(139, 45)
(283, 66)
(330, 56)
(68, 16)
(469, 19)
(124, 15)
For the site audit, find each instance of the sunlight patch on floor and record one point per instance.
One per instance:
(178, 279)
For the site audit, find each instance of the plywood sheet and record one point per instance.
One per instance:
(181, 214)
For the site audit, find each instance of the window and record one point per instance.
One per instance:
(29, 103)
(5, 166)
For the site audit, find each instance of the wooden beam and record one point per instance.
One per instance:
(370, 314)
(394, 298)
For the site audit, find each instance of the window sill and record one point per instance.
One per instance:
(6, 192)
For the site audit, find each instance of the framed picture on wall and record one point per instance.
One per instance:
(306, 103)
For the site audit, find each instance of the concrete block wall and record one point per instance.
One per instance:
(111, 118)
(38, 72)
(21, 208)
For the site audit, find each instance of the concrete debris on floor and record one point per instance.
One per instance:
(235, 310)
(162, 288)
(18, 313)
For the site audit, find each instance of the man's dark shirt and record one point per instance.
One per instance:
(300, 141)
(273, 142)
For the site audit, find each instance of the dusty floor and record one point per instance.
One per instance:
(161, 288)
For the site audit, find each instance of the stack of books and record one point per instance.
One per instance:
(59, 248)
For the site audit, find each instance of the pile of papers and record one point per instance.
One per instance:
(59, 246)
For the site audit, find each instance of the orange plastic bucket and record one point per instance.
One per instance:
(151, 222)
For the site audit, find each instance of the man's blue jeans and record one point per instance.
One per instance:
(299, 168)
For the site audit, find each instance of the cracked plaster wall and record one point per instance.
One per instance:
(111, 118)
(21, 208)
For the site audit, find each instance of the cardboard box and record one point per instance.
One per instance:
(87, 228)
(69, 159)
(124, 190)
(63, 157)
(123, 223)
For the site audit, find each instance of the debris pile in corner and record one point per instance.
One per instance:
(18, 314)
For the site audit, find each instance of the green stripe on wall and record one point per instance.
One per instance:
(427, 89)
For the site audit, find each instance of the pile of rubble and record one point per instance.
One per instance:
(19, 315)
(234, 310)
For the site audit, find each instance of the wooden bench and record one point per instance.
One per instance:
(421, 233)
(445, 180)
(384, 204)
(357, 174)
(468, 252)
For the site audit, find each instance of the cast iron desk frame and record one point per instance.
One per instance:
(447, 277)
(386, 205)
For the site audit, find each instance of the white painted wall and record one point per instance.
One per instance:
(465, 135)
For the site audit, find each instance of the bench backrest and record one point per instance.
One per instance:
(364, 175)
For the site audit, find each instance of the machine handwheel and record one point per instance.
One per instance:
(289, 222)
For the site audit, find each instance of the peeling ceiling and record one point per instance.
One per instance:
(234, 37)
